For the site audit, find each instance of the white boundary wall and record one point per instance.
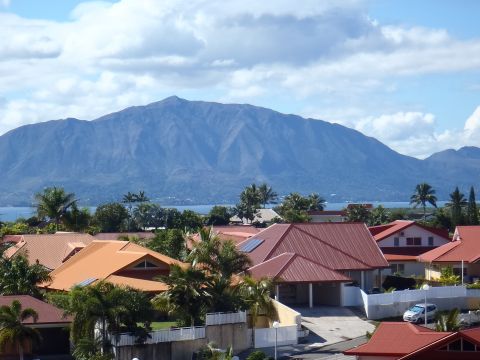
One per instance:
(286, 335)
(378, 306)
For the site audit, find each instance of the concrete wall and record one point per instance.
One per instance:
(235, 335)
(286, 315)
(413, 231)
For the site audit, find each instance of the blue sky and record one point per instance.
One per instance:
(406, 72)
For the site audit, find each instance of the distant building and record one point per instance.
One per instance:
(318, 216)
(261, 216)
(402, 241)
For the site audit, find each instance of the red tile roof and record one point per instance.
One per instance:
(334, 246)
(47, 313)
(397, 339)
(409, 253)
(383, 231)
(289, 267)
(465, 246)
(327, 212)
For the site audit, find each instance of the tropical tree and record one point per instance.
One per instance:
(13, 332)
(472, 210)
(77, 219)
(130, 199)
(187, 296)
(170, 242)
(115, 308)
(447, 276)
(249, 203)
(295, 206)
(316, 202)
(53, 202)
(111, 217)
(448, 321)
(358, 213)
(256, 295)
(267, 195)
(379, 216)
(424, 193)
(18, 277)
(148, 215)
(456, 205)
(219, 215)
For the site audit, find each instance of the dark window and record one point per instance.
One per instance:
(145, 264)
(455, 346)
(468, 346)
(430, 241)
(396, 241)
(414, 241)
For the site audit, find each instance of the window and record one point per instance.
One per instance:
(145, 265)
(430, 241)
(397, 268)
(414, 241)
(396, 241)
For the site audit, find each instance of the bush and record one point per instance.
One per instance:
(257, 355)
(398, 282)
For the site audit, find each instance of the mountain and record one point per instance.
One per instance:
(182, 151)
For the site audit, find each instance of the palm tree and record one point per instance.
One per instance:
(256, 295)
(456, 205)
(472, 210)
(424, 194)
(53, 202)
(18, 277)
(267, 195)
(13, 331)
(316, 202)
(187, 295)
(449, 321)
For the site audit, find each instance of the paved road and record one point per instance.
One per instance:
(330, 325)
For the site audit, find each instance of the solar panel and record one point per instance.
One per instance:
(251, 245)
(87, 282)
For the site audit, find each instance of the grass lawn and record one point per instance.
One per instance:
(156, 325)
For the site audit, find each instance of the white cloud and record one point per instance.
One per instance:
(108, 56)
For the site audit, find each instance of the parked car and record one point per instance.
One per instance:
(416, 313)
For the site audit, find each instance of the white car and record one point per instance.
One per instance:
(416, 313)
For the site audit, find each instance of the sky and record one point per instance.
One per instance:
(406, 72)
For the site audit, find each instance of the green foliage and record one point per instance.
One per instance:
(398, 214)
(472, 210)
(475, 285)
(267, 195)
(148, 215)
(295, 206)
(12, 329)
(191, 221)
(76, 219)
(447, 277)
(456, 205)
(257, 355)
(219, 215)
(170, 242)
(111, 217)
(173, 219)
(448, 320)
(18, 277)
(358, 213)
(90, 349)
(424, 193)
(379, 216)
(441, 219)
(211, 352)
(16, 228)
(53, 203)
(117, 309)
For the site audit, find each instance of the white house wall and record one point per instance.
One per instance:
(413, 231)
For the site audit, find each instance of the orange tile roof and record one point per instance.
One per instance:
(50, 250)
(385, 340)
(102, 259)
(465, 246)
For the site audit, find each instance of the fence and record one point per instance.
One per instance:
(159, 336)
(351, 296)
(392, 304)
(226, 318)
(286, 335)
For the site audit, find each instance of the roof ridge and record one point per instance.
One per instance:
(336, 248)
(274, 247)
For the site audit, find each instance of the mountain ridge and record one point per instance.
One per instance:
(182, 151)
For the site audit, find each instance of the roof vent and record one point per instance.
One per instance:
(251, 245)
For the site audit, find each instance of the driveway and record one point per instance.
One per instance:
(330, 325)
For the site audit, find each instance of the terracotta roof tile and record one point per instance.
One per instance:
(49, 249)
(103, 258)
(385, 340)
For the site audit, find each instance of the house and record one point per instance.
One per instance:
(311, 262)
(124, 235)
(401, 340)
(401, 241)
(327, 215)
(261, 216)
(51, 324)
(462, 252)
(115, 261)
(50, 250)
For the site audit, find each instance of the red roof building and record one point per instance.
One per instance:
(463, 251)
(402, 241)
(401, 340)
(310, 261)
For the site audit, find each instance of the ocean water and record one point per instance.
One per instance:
(12, 213)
